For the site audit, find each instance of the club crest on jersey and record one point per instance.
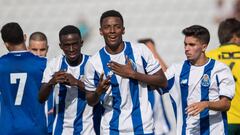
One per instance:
(205, 80)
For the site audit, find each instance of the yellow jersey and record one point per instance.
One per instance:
(230, 55)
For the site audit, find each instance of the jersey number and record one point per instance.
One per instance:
(22, 81)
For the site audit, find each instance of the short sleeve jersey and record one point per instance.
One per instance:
(127, 109)
(73, 115)
(188, 84)
(21, 113)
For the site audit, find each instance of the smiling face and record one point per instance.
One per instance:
(112, 30)
(194, 49)
(71, 45)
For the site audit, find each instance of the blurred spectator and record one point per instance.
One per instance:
(224, 9)
(236, 10)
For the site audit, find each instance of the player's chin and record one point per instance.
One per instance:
(189, 57)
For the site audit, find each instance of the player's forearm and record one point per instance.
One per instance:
(79, 84)
(162, 63)
(221, 105)
(44, 92)
(158, 79)
(92, 98)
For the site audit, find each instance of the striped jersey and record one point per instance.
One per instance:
(230, 55)
(188, 84)
(127, 107)
(49, 112)
(21, 113)
(161, 121)
(72, 114)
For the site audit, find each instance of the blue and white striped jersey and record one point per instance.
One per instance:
(188, 84)
(127, 108)
(49, 112)
(21, 113)
(161, 121)
(73, 115)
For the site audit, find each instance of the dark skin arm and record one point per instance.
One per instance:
(58, 77)
(157, 80)
(94, 97)
(221, 105)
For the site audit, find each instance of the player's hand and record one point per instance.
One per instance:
(103, 84)
(195, 108)
(58, 77)
(70, 80)
(122, 70)
(51, 111)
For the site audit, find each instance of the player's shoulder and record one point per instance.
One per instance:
(55, 60)
(96, 55)
(220, 65)
(3, 57)
(40, 59)
(178, 65)
(86, 56)
(36, 59)
(3, 60)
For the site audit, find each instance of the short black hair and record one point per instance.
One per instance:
(199, 32)
(69, 29)
(39, 36)
(12, 33)
(110, 13)
(227, 29)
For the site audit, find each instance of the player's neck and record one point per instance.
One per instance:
(17, 47)
(115, 49)
(201, 61)
(75, 62)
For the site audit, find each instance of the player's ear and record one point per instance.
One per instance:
(60, 45)
(204, 47)
(123, 30)
(100, 30)
(7, 46)
(81, 42)
(25, 37)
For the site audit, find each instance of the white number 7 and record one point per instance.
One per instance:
(22, 81)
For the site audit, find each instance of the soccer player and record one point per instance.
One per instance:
(21, 74)
(201, 88)
(73, 115)
(229, 53)
(161, 121)
(38, 44)
(118, 76)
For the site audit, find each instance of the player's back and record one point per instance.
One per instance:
(20, 81)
